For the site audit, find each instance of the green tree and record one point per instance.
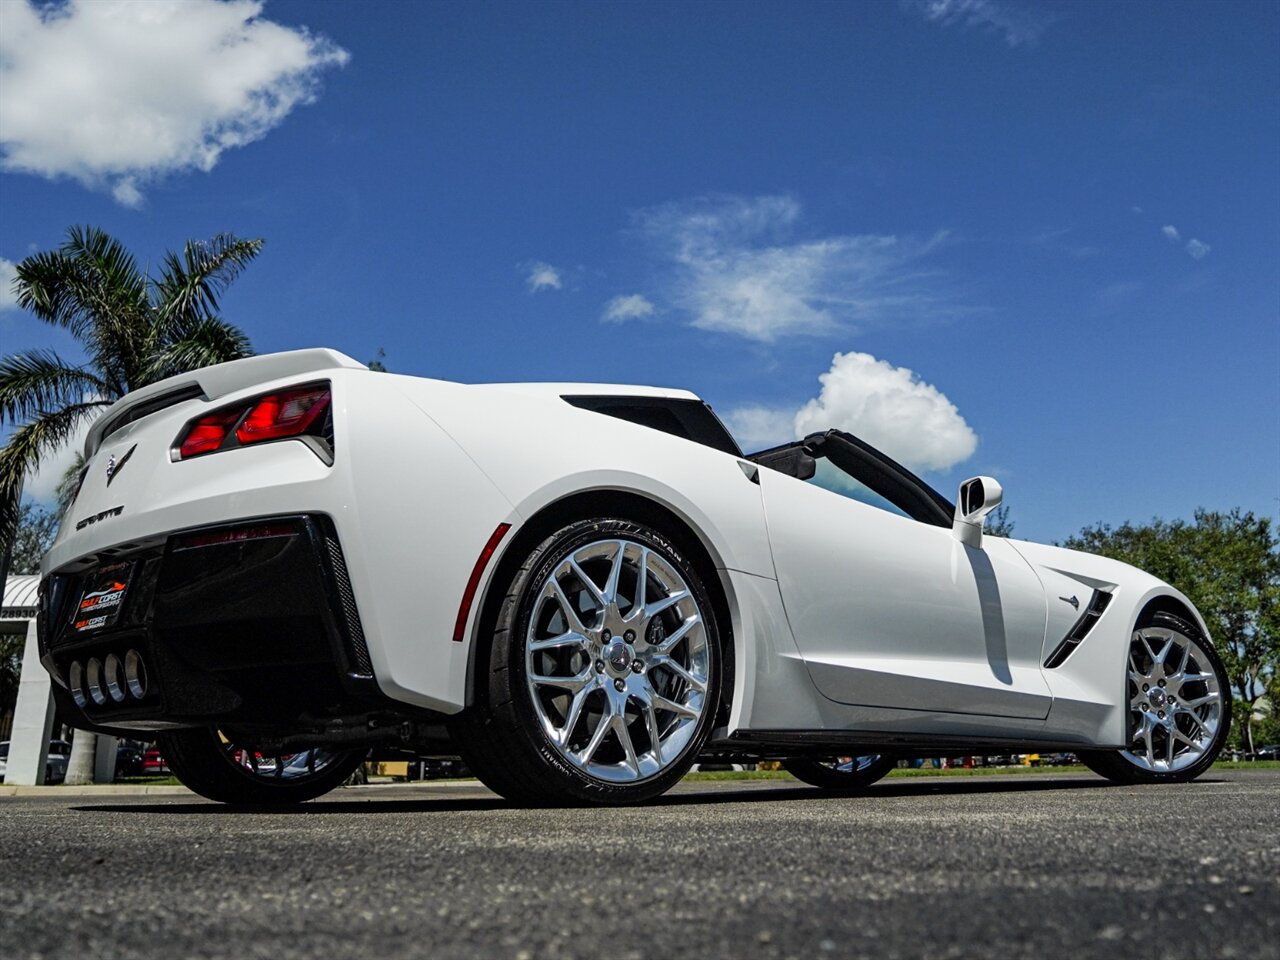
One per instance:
(1228, 565)
(135, 329)
(36, 530)
(998, 523)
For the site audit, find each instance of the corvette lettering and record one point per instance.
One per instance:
(99, 517)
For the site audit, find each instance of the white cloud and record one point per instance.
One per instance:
(42, 484)
(756, 427)
(114, 93)
(1018, 26)
(736, 270)
(1198, 249)
(542, 276)
(889, 407)
(8, 271)
(630, 307)
(1171, 232)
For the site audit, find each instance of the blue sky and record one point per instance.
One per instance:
(1037, 240)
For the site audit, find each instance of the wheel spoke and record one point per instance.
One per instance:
(651, 724)
(665, 603)
(662, 703)
(575, 711)
(566, 606)
(597, 737)
(573, 683)
(642, 579)
(698, 683)
(669, 643)
(588, 583)
(624, 737)
(615, 573)
(572, 638)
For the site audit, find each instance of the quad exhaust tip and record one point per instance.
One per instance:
(115, 679)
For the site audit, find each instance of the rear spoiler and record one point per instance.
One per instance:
(210, 383)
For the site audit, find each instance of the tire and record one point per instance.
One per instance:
(840, 774)
(572, 699)
(1195, 710)
(207, 764)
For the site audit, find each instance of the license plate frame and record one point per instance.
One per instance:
(102, 599)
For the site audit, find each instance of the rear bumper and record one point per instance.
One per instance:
(252, 622)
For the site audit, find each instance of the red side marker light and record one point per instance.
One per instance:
(469, 595)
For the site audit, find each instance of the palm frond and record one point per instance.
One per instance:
(40, 380)
(203, 344)
(69, 485)
(43, 434)
(190, 285)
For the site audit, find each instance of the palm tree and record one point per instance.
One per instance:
(135, 329)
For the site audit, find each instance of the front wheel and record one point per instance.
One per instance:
(604, 673)
(1179, 706)
(840, 774)
(214, 767)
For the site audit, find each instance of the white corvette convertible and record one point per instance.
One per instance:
(276, 565)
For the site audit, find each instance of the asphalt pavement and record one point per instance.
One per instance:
(1037, 866)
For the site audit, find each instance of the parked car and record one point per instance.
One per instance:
(574, 588)
(55, 767)
(1270, 752)
(130, 755)
(153, 763)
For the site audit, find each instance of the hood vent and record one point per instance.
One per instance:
(1079, 630)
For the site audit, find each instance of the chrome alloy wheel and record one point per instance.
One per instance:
(617, 660)
(850, 764)
(283, 767)
(1175, 700)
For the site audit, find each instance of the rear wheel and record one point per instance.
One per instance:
(840, 774)
(1179, 706)
(216, 768)
(603, 677)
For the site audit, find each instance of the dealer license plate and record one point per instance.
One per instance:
(103, 597)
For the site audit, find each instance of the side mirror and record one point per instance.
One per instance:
(978, 497)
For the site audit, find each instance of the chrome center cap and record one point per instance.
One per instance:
(1158, 698)
(618, 656)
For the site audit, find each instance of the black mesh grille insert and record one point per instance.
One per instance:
(358, 649)
(1079, 630)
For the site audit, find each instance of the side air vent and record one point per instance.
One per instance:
(1079, 630)
(357, 649)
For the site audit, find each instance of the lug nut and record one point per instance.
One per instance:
(1161, 714)
(1162, 683)
(629, 636)
(619, 685)
(599, 666)
(605, 636)
(1146, 687)
(637, 666)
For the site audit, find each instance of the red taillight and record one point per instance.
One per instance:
(276, 416)
(207, 433)
(283, 415)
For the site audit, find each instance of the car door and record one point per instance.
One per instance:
(892, 612)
